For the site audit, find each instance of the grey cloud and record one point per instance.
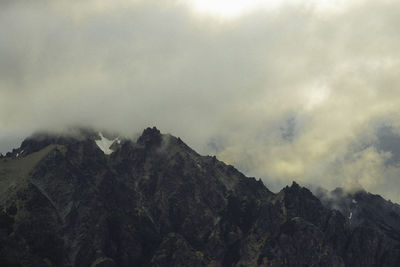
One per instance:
(225, 87)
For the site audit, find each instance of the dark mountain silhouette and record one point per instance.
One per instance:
(94, 200)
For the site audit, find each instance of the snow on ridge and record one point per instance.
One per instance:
(104, 144)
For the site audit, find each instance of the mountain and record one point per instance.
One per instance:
(374, 222)
(93, 199)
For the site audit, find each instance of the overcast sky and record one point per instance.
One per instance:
(284, 90)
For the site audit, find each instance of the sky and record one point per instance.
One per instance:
(282, 89)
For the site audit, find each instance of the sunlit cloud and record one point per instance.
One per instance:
(228, 9)
(284, 90)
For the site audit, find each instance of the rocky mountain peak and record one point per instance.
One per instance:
(156, 202)
(150, 137)
(40, 140)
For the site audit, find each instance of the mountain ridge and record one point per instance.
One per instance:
(157, 202)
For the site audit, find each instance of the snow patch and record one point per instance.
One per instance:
(354, 201)
(351, 215)
(104, 144)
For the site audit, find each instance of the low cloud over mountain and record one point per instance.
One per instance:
(286, 92)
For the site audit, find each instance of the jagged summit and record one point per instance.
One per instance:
(97, 199)
(107, 142)
(362, 208)
(150, 137)
(42, 139)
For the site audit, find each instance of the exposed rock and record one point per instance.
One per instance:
(156, 202)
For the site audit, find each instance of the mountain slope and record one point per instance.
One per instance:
(156, 202)
(375, 224)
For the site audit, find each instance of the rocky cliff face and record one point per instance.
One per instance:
(66, 201)
(374, 224)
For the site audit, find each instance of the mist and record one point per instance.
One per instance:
(293, 92)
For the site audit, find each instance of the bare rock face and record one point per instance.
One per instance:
(374, 225)
(156, 202)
